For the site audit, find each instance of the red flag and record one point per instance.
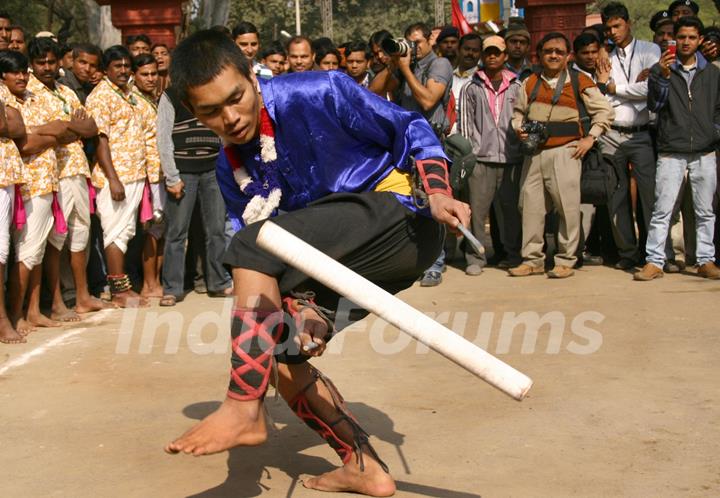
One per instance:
(458, 19)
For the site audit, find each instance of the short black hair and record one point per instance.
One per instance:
(357, 46)
(243, 28)
(614, 9)
(38, 47)
(555, 35)
(689, 22)
(470, 37)
(275, 48)
(598, 30)
(322, 43)
(142, 60)
(221, 29)
(160, 45)
(87, 48)
(136, 38)
(201, 57)
(712, 33)
(419, 26)
(115, 53)
(5, 15)
(12, 62)
(326, 50)
(378, 37)
(64, 49)
(299, 39)
(583, 40)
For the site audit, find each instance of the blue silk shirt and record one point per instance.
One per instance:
(331, 135)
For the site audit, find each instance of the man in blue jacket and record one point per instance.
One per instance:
(339, 162)
(685, 92)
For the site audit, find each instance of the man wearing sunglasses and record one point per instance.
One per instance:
(546, 118)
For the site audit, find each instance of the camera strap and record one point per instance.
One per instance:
(582, 110)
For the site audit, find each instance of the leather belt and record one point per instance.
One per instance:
(630, 129)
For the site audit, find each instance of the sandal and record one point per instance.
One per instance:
(168, 300)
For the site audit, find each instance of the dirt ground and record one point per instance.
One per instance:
(625, 401)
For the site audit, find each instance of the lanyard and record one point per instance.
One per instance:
(66, 106)
(129, 98)
(153, 104)
(622, 66)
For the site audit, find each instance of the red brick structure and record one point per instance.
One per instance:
(157, 18)
(544, 16)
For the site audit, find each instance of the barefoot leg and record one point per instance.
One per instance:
(84, 301)
(235, 423)
(151, 261)
(51, 264)
(8, 334)
(238, 422)
(34, 316)
(370, 478)
(17, 287)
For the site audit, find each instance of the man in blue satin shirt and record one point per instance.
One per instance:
(357, 177)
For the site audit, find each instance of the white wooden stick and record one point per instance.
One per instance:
(369, 296)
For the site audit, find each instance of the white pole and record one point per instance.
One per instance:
(297, 17)
(369, 296)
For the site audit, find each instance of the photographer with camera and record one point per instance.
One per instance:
(547, 121)
(421, 81)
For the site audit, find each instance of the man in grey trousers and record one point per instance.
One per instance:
(486, 109)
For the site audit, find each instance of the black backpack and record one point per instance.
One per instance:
(598, 181)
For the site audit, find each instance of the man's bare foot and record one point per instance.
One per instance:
(22, 326)
(64, 315)
(8, 334)
(92, 304)
(40, 320)
(129, 299)
(373, 481)
(152, 291)
(235, 423)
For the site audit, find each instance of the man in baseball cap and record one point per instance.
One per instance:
(661, 25)
(683, 8)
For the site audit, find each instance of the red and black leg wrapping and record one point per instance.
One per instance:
(254, 336)
(360, 441)
(298, 302)
(434, 175)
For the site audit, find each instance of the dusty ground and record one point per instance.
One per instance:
(626, 407)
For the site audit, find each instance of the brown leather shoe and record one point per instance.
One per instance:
(525, 270)
(648, 272)
(561, 271)
(709, 270)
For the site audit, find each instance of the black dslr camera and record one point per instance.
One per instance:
(537, 135)
(400, 47)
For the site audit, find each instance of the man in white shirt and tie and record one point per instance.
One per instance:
(628, 140)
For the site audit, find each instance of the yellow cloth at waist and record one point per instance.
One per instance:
(397, 181)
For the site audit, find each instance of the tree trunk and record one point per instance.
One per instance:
(100, 27)
(214, 12)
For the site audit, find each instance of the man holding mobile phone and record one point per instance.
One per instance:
(684, 90)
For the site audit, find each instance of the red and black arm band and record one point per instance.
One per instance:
(434, 174)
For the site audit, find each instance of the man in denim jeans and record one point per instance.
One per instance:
(685, 92)
(188, 151)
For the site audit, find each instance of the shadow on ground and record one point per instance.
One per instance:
(282, 453)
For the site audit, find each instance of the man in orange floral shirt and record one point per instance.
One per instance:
(121, 173)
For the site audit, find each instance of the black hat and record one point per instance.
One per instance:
(660, 18)
(448, 32)
(689, 3)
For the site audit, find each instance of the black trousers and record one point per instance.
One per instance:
(371, 233)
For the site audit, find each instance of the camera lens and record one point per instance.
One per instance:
(390, 46)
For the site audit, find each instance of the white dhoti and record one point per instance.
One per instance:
(7, 197)
(74, 200)
(118, 219)
(31, 240)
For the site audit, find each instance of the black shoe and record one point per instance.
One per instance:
(673, 266)
(431, 279)
(625, 264)
(592, 260)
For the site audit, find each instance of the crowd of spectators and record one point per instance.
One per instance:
(108, 194)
